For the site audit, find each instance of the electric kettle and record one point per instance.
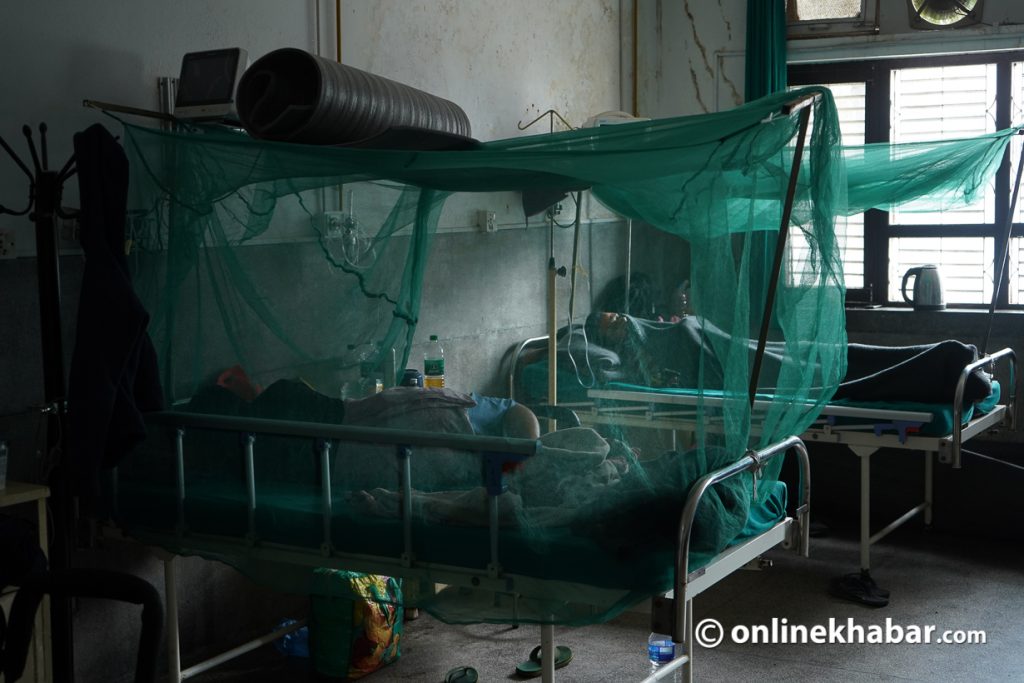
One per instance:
(927, 288)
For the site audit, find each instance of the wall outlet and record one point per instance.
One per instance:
(487, 221)
(8, 247)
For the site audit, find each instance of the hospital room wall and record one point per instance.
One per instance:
(503, 63)
(690, 53)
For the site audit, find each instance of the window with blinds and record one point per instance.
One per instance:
(944, 103)
(933, 98)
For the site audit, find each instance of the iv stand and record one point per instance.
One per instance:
(553, 272)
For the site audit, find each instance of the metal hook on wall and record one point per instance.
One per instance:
(551, 113)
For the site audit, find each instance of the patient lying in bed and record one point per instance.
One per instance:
(285, 459)
(674, 354)
(578, 480)
(594, 488)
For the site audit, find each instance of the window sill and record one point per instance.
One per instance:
(900, 326)
(905, 310)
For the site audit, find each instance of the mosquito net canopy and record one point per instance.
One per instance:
(268, 293)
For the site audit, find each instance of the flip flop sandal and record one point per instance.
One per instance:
(532, 667)
(461, 674)
(872, 586)
(854, 587)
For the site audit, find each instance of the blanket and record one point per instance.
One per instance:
(926, 374)
(679, 354)
(596, 489)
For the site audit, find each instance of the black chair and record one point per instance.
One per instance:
(24, 565)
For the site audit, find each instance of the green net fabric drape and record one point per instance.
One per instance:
(224, 291)
(932, 176)
(250, 287)
(253, 290)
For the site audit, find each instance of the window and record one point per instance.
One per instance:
(906, 100)
(824, 18)
(817, 10)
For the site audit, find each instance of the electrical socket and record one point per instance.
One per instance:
(8, 246)
(487, 221)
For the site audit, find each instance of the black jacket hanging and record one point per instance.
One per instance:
(114, 376)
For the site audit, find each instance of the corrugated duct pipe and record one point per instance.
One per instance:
(294, 96)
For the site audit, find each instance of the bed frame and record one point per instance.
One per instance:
(882, 428)
(672, 614)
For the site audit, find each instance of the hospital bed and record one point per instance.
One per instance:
(223, 288)
(495, 570)
(937, 430)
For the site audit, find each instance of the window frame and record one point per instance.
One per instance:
(876, 74)
(866, 23)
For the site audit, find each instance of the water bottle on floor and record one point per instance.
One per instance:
(660, 651)
(294, 644)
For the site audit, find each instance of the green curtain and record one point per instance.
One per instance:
(766, 48)
(765, 75)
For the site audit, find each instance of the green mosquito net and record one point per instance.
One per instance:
(266, 300)
(275, 301)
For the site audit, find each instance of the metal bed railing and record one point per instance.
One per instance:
(495, 451)
(958, 400)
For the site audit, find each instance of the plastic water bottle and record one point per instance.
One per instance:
(660, 651)
(433, 364)
(294, 644)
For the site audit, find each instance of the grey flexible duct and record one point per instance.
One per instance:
(294, 96)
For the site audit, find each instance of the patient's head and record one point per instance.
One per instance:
(606, 328)
(641, 300)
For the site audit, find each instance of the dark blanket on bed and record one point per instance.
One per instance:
(663, 354)
(218, 455)
(926, 373)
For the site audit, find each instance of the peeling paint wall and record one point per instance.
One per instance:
(505, 64)
(691, 52)
(679, 46)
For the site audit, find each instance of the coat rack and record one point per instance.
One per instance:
(44, 207)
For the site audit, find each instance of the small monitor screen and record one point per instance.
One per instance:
(207, 77)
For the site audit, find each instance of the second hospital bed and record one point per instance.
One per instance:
(930, 399)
